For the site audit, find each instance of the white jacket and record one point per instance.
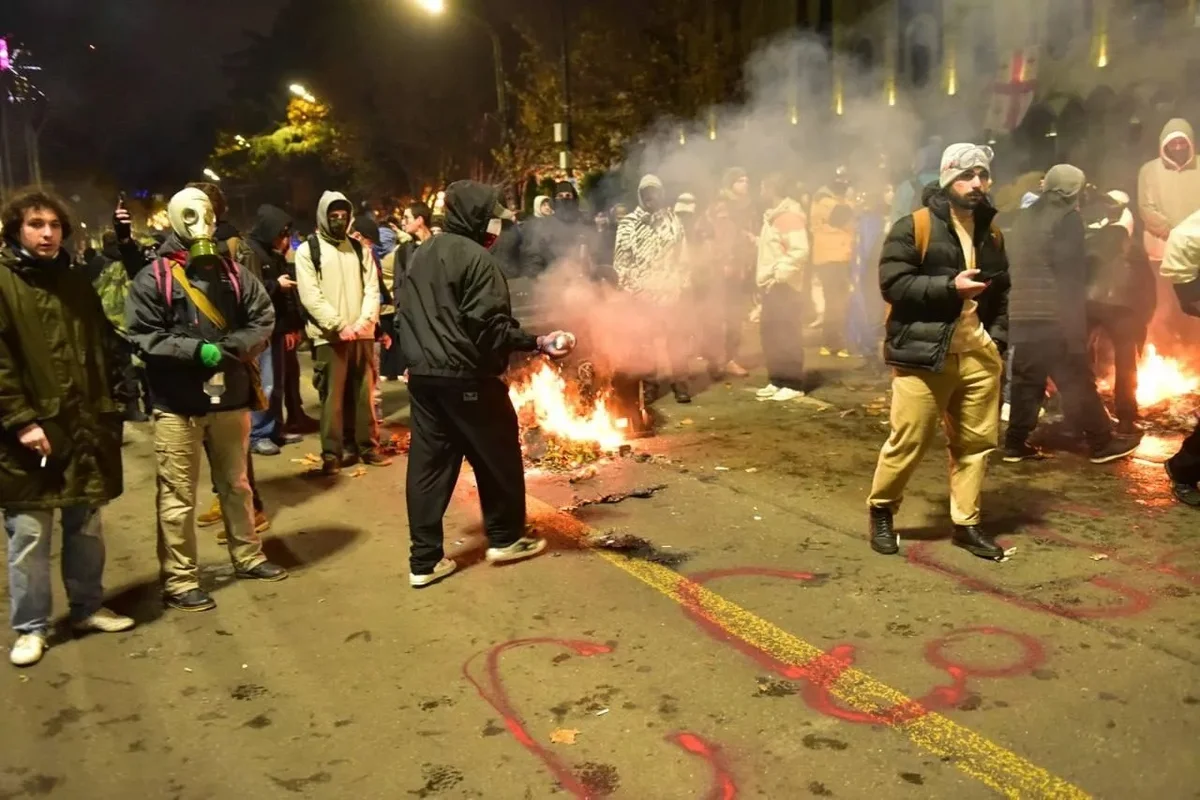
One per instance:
(1181, 258)
(346, 293)
(783, 248)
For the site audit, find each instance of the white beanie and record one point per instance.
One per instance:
(963, 156)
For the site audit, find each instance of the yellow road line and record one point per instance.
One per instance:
(999, 768)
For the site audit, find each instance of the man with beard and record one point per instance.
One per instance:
(1181, 266)
(199, 321)
(945, 273)
(1047, 313)
(456, 326)
(60, 423)
(547, 239)
(339, 289)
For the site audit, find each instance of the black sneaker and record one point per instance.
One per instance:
(883, 532)
(1186, 493)
(976, 542)
(350, 459)
(266, 571)
(376, 459)
(1128, 427)
(1016, 453)
(1117, 448)
(682, 395)
(331, 465)
(191, 600)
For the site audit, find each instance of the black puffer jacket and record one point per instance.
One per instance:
(1049, 270)
(925, 306)
(455, 316)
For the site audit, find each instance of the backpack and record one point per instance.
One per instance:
(314, 252)
(923, 229)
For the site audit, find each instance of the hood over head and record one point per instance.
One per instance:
(366, 226)
(328, 202)
(648, 182)
(566, 208)
(470, 207)
(537, 206)
(269, 224)
(685, 203)
(1065, 180)
(1174, 130)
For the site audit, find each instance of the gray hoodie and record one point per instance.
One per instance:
(346, 292)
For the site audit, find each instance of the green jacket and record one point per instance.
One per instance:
(60, 363)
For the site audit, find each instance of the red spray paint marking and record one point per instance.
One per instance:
(723, 786)
(821, 674)
(1136, 601)
(491, 689)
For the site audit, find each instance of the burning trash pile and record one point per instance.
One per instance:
(561, 428)
(1168, 392)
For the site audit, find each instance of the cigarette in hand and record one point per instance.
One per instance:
(43, 462)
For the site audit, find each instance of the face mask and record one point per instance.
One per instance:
(337, 228)
(192, 219)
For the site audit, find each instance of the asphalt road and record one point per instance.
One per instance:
(751, 646)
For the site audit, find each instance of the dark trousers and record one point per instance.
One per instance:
(783, 336)
(835, 285)
(254, 495)
(391, 359)
(1125, 335)
(344, 377)
(1185, 465)
(285, 389)
(726, 307)
(451, 421)
(1040, 353)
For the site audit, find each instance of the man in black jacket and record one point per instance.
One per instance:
(456, 326)
(547, 240)
(1048, 318)
(198, 321)
(945, 273)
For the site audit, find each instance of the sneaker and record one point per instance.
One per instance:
(442, 569)
(825, 351)
(104, 621)
(191, 600)
(350, 459)
(28, 649)
(265, 447)
(519, 550)
(1016, 453)
(331, 465)
(883, 532)
(288, 438)
(1117, 448)
(210, 517)
(976, 542)
(1005, 412)
(767, 391)
(843, 353)
(266, 571)
(682, 395)
(1186, 493)
(736, 370)
(1129, 427)
(374, 459)
(783, 395)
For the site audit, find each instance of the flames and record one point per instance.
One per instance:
(543, 397)
(1162, 379)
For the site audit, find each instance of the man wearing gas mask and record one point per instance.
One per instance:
(339, 289)
(199, 322)
(456, 325)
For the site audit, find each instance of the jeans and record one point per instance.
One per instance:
(265, 424)
(29, 535)
(783, 336)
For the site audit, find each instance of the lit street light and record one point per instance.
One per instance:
(304, 94)
(208, 173)
(432, 6)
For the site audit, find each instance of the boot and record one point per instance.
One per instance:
(883, 532)
(682, 395)
(976, 542)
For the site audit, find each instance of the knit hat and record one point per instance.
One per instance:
(1065, 180)
(366, 227)
(963, 156)
(686, 204)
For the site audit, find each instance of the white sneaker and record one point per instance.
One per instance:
(442, 569)
(104, 621)
(783, 395)
(28, 649)
(767, 391)
(1005, 412)
(517, 551)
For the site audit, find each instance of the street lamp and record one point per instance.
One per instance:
(304, 94)
(208, 173)
(432, 6)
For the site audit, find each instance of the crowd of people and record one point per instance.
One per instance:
(938, 278)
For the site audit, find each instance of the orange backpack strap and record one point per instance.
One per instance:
(922, 227)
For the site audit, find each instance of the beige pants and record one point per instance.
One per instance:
(178, 444)
(965, 397)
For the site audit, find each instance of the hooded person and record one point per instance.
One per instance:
(650, 264)
(542, 207)
(550, 238)
(832, 224)
(1181, 266)
(783, 251)
(339, 290)
(199, 322)
(456, 326)
(264, 253)
(61, 378)
(1047, 313)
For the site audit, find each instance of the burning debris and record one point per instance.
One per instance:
(1168, 392)
(562, 427)
(642, 493)
(636, 547)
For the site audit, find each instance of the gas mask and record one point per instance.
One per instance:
(192, 218)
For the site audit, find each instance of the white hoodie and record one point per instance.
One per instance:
(346, 294)
(1181, 258)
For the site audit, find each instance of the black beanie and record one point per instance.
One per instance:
(366, 226)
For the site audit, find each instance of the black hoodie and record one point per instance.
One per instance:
(257, 253)
(546, 240)
(455, 317)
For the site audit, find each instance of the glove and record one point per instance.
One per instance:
(209, 354)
